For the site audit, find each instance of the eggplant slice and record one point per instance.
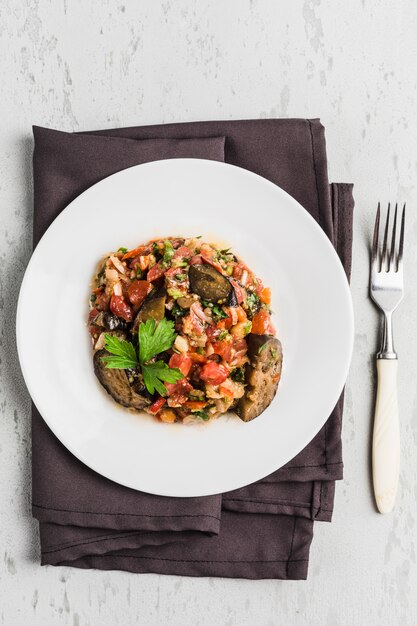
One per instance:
(209, 284)
(262, 375)
(153, 307)
(116, 383)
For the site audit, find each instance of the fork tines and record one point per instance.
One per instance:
(388, 259)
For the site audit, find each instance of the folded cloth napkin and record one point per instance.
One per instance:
(263, 530)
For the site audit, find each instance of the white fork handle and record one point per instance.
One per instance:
(386, 438)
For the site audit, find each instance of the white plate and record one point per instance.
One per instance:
(279, 241)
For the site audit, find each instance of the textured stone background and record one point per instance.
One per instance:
(75, 65)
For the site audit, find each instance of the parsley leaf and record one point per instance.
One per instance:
(154, 373)
(122, 354)
(154, 339)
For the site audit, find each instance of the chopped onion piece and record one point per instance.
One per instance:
(181, 344)
(117, 264)
(117, 289)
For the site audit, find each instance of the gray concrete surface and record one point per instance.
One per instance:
(75, 65)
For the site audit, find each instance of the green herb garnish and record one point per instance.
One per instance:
(253, 304)
(154, 373)
(218, 313)
(122, 250)
(238, 375)
(122, 354)
(202, 414)
(178, 311)
(262, 348)
(247, 328)
(223, 335)
(168, 252)
(153, 339)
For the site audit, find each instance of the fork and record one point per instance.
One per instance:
(386, 287)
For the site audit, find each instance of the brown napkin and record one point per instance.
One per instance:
(263, 530)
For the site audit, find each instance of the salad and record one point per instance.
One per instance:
(182, 329)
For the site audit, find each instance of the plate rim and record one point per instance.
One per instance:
(325, 241)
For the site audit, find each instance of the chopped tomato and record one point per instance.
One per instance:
(178, 392)
(181, 386)
(213, 373)
(223, 348)
(225, 323)
(261, 324)
(181, 362)
(119, 307)
(265, 295)
(196, 260)
(156, 406)
(195, 405)
(182, 253)
(140, 250)
(138, 290)
(157, 271)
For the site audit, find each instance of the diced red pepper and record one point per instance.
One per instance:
(156, 406)
(138, 290)
(140, 250)
(213, 373)
(196, 260)
(195, 405)
(119, 307)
